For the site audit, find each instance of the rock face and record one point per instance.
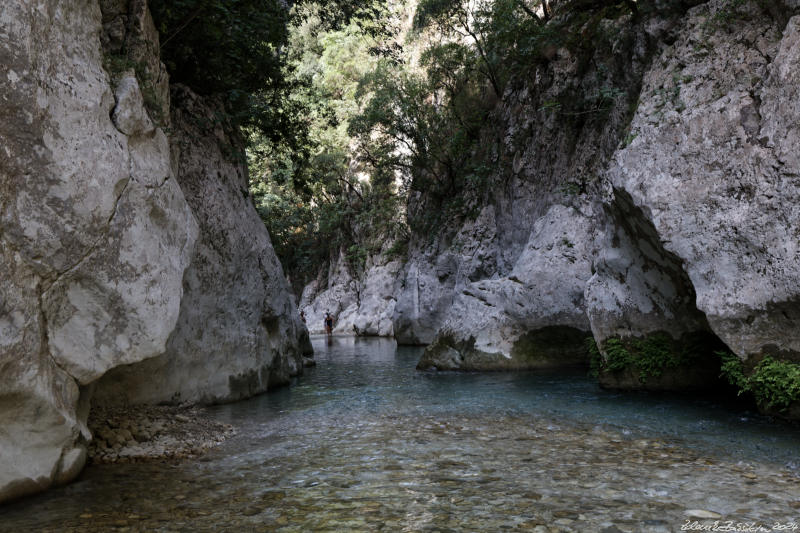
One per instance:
(361, 305)
(94, 245)
(238, 332)
(685, 241)
(666, 226)
(640, 292)
(96, 234)
(713, 169)
(507, 291)
(534, 317)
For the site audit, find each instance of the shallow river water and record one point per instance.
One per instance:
(363, 442)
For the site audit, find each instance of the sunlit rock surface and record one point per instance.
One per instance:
(238, 332)
(360, 305)
(714, 167)
(693, 230)
(97, 238)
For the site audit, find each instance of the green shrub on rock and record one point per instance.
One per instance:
(648, 357)
(774, 384)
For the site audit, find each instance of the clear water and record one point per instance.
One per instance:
(363, 442)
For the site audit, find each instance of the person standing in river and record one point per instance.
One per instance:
(328, 323)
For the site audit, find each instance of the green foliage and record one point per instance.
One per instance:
(223, 47)
(323, 198)
(629, 139)
(595, 357)
(649, 356)
(363, 125)
(617, 358)
(774, 384)
(732, 371)
(116, 64)
(399, 248)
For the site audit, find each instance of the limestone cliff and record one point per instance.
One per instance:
(104, 262)
(360, 305)
(238, 331)
(680, 238)
(662, 222)
(712, 171)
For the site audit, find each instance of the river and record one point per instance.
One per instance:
(364, 442)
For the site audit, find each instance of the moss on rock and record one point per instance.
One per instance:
(658, 362)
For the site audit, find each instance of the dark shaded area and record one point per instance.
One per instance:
(550, 347)
(659, 362)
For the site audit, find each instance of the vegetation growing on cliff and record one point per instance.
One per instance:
(773, 383)
(353, 108)
(330, 197)
(648, 357)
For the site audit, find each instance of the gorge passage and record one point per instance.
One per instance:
(506, 185)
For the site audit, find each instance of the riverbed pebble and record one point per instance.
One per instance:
(146, 433)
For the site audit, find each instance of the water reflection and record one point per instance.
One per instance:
(363, 442)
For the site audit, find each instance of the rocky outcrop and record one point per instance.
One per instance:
(238, 332)
(534, 317)
(510, 294)
(683, 236)
(97, 236)
(641, 300)
(660, 219)
(704, 256)
(94, 244)
(360, 305)
(713, 169)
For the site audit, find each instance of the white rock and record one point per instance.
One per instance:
(238, 332)
(718, 183)
(532, 318)
(83, 243)
(129, 115)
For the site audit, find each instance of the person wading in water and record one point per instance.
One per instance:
(328, 323)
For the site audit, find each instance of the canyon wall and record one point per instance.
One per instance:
(664, 225)
(361, 304)
(118, 241)
(238, 331)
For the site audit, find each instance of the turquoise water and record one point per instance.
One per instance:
(364, 442)
(378, 376)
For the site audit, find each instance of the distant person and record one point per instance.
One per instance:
(328, 323)
(303, 316)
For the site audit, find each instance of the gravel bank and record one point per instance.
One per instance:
(152, 433)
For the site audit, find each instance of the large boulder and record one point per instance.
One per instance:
(239, 332)
(94, 243)
(713, 170)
